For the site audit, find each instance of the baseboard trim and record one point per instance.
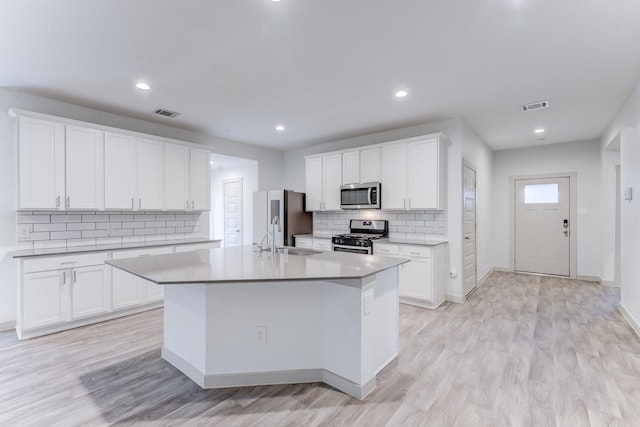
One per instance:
(503, 269)
(247, 379)
(484, 278)
(455, 298)
(630, 320)
(417, 302)
(589, 278)
(609, 283)
(8, 325)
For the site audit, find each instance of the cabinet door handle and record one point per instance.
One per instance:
(75, 276)
(187, 204)
(57, 201)
(132, 203)
(409, 203)
(68, 202)
(192, 204)
(63, 278)
(140, 203)
(404, 203)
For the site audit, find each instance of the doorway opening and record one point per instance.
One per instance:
(543, 219)
(228, 168)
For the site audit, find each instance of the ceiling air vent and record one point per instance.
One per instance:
(535, 106)
(166, 113)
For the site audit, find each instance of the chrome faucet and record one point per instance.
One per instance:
(274, 222)
(266, 236)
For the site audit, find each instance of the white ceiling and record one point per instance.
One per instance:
(328, 69)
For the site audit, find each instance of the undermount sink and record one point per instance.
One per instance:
(298, 251)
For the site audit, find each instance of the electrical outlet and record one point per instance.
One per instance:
(24, 230)
(261, 334)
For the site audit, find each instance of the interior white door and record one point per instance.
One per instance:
(470, 266)
(233, 212)
(542, 226)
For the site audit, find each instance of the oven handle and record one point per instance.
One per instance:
(352, 249)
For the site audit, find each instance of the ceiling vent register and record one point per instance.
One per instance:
(535, 106)
(166, 113)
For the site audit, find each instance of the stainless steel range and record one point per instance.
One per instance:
(360, 239)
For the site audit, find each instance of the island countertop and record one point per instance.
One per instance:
(243, 264)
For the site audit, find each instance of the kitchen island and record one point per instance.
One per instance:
(236, 317)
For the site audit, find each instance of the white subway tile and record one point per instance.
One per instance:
(145, 217)
(143, 231)
(47, 244)
(95, 218)
(105, 225)
(132, 239)
(50, 227)
(81, 226)
(36, 236)
(24, 218)
(165, 217)
(24, 246)
(154, 224)
(81, 242)
(184, 217)
(133, 225)
(66, 218)
(56, 235)
(120, 217)
(175, 236)
(165, 230)
(108, 240)
(123, 232)
(155, 238)
(95, 233)
(175, 223)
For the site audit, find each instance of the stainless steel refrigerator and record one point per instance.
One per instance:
(289, 207)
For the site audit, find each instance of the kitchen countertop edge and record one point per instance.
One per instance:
(29, 253)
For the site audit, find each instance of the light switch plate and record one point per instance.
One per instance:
(583, 211)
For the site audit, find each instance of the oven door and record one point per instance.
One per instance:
(352, 249)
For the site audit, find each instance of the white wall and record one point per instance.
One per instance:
(248, 170)
(608, 162)
(582, 157)
(460, 135)
(626, 124)
(270, 168)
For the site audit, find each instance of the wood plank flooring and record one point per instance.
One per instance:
(523, 351)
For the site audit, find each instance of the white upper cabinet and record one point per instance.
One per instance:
(322, 184)
(414, 174)
(84, 168)
(40, 164)
(370, 165)
(187, 178)
(200, 180)
(120, 171)
(351, 167)
(67, 166)
(313, 184)
(176, 180)
(150, 175)
(394, 176)
(331, 181)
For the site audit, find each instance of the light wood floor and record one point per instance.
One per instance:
(523, 351)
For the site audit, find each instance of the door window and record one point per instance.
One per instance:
(540, 193)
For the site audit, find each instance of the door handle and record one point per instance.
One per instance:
(566, 233)
(467, 238)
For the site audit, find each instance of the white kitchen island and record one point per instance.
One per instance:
(235, 317)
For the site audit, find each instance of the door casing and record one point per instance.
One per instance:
(573, 217)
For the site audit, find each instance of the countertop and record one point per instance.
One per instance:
(242, 264)
(101, 248)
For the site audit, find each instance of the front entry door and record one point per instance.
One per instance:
(233, 212)
(542, 227)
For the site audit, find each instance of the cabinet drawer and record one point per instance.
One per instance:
(385, 249)
(62, 262)
(304, 242)
(415, 251)
(322, 244)
(142, 252)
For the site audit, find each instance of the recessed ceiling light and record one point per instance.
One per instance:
(279, 128)
(275, 1)
(539, 131)
(401, 94)
(143, 86)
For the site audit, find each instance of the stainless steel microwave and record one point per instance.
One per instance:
(360, 196)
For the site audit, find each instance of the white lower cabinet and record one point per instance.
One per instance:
(90, 291)
(423, 280)
(44, 299)
(304, 242)
(129, 290)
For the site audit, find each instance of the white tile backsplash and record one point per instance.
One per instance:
(52, 229)
(414, 225)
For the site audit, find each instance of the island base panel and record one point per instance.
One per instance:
(342, 334)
